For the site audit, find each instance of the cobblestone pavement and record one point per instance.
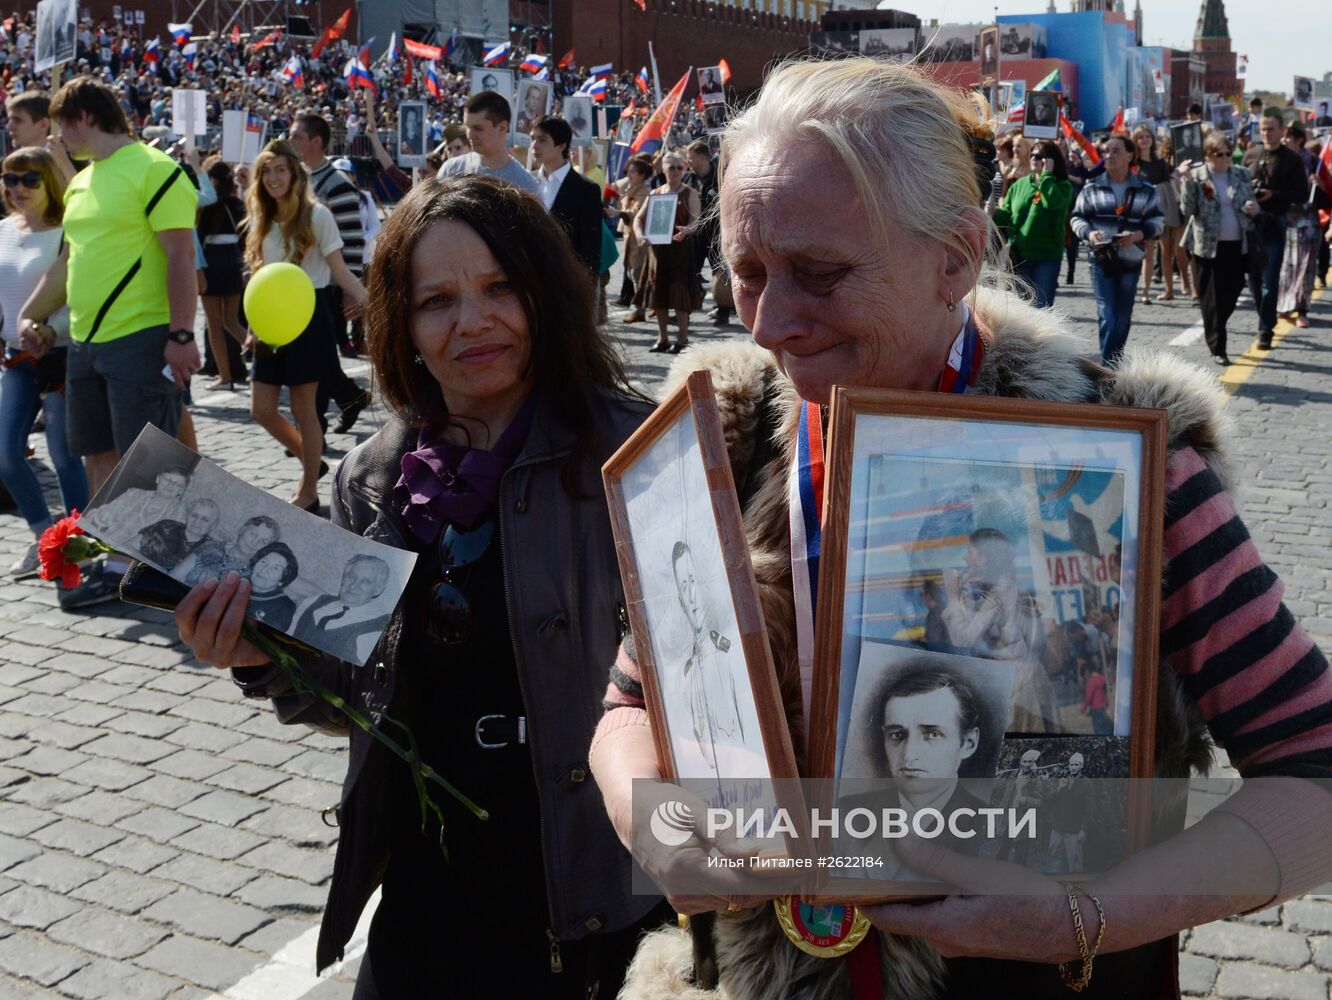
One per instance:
(161, 837)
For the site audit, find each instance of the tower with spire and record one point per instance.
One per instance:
(1211, 40)
(1137, 21)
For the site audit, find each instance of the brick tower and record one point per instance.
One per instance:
(1211, 40)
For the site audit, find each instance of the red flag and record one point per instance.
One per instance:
(641, 4)
(272, 38)
(422, 51)
(725, 68)
(407, 72)
(1117, 126)
(332, 33)
(1083, 142)
(1323, 172)
(566, 60)
(235, 34)
(659, 124)
(698, 102)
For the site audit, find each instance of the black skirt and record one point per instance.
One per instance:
(223, 273)
(311, 357)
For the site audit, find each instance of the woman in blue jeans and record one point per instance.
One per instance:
(1034, 214)
(1114, 215)
(34, 366)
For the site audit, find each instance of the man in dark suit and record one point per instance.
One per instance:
(571, 198)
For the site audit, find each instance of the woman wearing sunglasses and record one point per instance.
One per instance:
(1034, 213)
(34, 366)
(480, 325)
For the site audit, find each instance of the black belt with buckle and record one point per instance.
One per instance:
(495, 731)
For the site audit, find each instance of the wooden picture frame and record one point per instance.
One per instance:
(874, 557)
(670, 485)
(659, 222)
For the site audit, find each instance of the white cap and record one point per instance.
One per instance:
(342, 163)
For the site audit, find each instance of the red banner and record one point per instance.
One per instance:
(332, 33)
(421, 51)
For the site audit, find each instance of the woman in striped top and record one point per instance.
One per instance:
(834, 304)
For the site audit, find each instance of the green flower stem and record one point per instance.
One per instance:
(421, 773)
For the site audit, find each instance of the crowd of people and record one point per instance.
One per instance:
(479, 299)
(1250, 214)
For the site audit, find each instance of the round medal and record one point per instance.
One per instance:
(825, 930)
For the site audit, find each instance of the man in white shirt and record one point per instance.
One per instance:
(571, 198)
(487, 117)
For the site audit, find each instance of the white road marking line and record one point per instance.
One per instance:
(1190, 336)
(290, 973)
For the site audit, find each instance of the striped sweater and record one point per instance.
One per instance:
(333, 188)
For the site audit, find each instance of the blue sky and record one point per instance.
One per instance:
(1280, 37)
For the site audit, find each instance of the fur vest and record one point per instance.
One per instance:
(1027, 357)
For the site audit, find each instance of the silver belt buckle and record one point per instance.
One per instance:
(481, 741)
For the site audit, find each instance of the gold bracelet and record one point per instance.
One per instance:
(1077, 981)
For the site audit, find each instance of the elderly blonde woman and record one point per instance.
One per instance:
(857, 262)
(674, 282)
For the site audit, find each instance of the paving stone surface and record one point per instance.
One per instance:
(160, 837)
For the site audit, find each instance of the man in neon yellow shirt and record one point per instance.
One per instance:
(127, 272)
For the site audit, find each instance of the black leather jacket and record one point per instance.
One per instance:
(562, 584)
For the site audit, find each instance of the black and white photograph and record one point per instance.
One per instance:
(1186, 139)
(578, 113)
(831, 44)
(57, 33)
(950, 43)
(490, 78)
(1041, 120)
(1223, 117)
(924, 731)
(1323, 114)
(1304, 93)
(1076, 786)
(534, 101)
(989, 55)
(714, 118)
(1022, 41)
(411, 133)
(179, 513)
(659, 227)
(710, 87)
(893, 44)
(710, 708)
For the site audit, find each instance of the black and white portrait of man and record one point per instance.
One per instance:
(352, 619)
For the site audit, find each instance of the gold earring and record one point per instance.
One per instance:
(952, 306)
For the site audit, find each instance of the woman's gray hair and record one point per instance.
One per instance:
(863, 110)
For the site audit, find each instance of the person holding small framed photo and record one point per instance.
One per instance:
(665, 222)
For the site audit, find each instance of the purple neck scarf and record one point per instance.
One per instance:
(450, 483)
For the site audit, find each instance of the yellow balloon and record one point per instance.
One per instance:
(279, 303)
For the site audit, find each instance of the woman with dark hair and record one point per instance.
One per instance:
(1171, 245)
(1034, 212)
(1114, 215)
(215, 561)
(506, 401)
(220, 226)
(272, 569)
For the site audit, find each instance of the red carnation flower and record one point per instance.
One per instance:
(1208, 189)
(60, 550)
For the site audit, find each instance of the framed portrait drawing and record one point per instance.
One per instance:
(989, 576)
(693, 606)
(412, 133)
(710, 88)
(534, 100)
(659, 226)
(989, 55)
(1041, 116)
(1223, 117)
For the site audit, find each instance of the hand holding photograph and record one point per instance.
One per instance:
(179, 513)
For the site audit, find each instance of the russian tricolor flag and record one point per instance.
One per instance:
(451, 44)
(432, 81)
(150, 53)
(392, 54)
(594, 88)
(533, 63)
(189, 52)
(358, 75)
(644, 84)
(602, 72)
(180, 33)
(497, 55)
(294, 73)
